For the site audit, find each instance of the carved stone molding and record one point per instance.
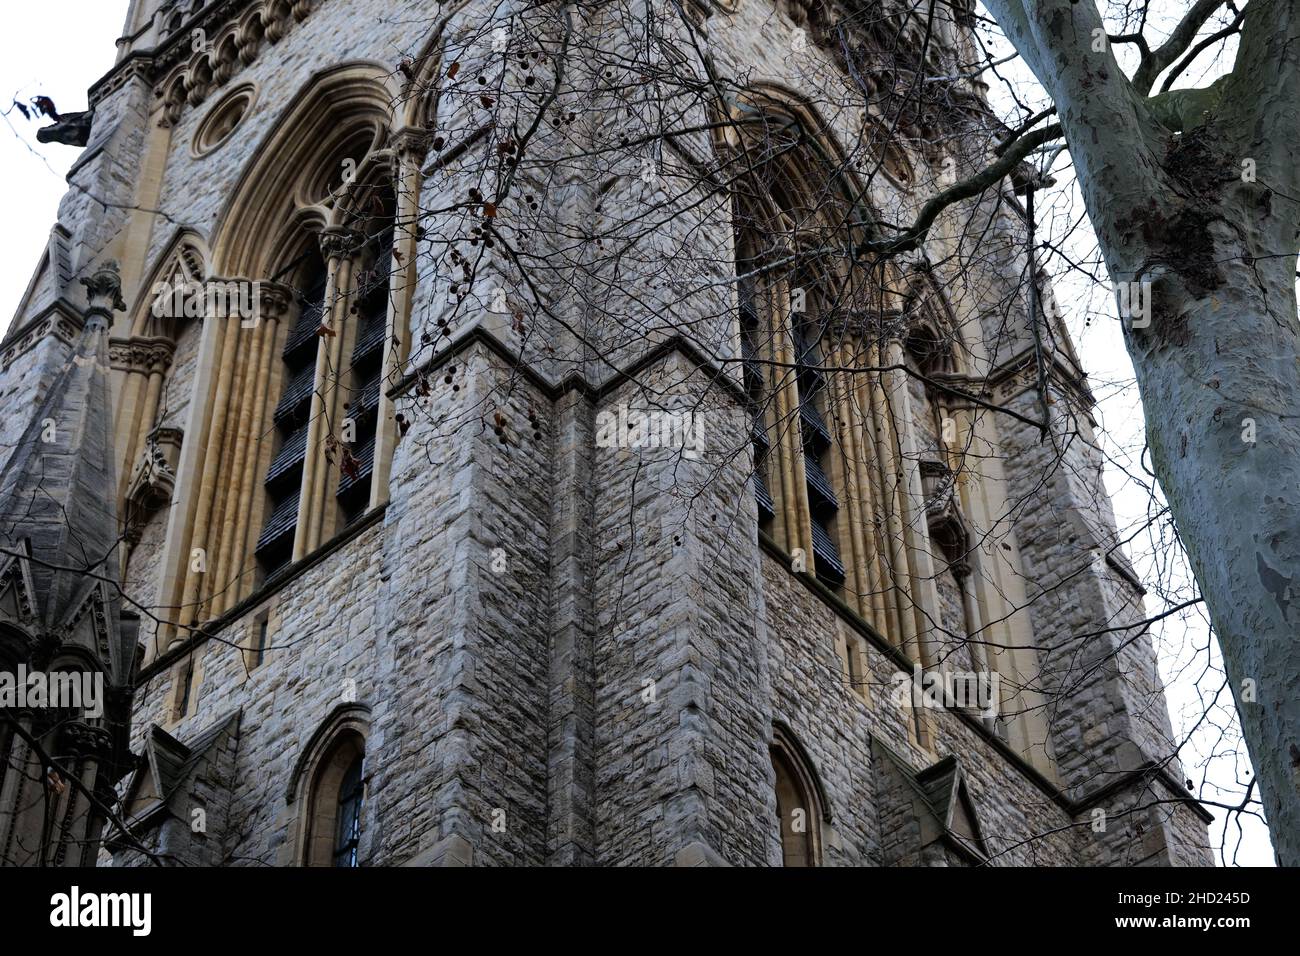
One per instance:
(104, 291)
(408, 146)
(1021, 375)
(142, 355)
(235, 32)
(939, 488)
(13, 577)
(86, 741)
(153, 480)
(59, 321)
(273, 300)
(340, 242)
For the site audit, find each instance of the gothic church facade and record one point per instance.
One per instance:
(371, 582)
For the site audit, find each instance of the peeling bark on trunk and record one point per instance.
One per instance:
(1219, 362)
(1236, 503)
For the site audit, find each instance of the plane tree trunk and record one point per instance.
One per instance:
(1194, 199)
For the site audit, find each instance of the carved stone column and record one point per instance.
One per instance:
(232, 562)
(273, 305)
(410, 148)
(916, 537)
(976, 638)
(339, 246)
(145, 361)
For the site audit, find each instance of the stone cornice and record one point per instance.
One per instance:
(574, 381)
(235, 31)
(1019, 374)
(61, 319)
(143, 355)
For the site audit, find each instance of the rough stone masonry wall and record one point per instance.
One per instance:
(457, 659)
(324, 633)
(1074, 596)
(97, 208)
(466, 631)
(1106, 705)
(1020, 822)
(24, 386)
(675, 602)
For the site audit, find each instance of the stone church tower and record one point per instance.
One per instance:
(397, 588)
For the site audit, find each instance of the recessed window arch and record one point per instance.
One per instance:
(800, 803)
(792, 216)
(295, 408)
(933, 348)
(928, 357)
(329, 785)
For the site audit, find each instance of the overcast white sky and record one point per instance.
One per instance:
(59, 47)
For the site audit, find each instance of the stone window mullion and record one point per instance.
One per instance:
(338, 246)
(411, 147)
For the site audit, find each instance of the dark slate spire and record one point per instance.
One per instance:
(58, 500)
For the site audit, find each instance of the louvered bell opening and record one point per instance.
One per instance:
(830, 570)
(811, 379)
(766, 508)
(368, 403)
(364, 456)
(821, 496)
(815, 431)
(295, 403)
(376, 279)
(747, 303)
(806, 345)
(753, 370)
(303, 333)
(278, 531)
(292, 453)
(370, 340)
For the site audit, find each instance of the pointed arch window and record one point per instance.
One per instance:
(929, 356)
(283, 479)
(335, 804)
(310, 232)
(787, 209)
(348, 813)
(800, 810)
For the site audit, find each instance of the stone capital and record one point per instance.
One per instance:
(410, 144)
(104, 292)
(273, 300)
(339, 242)
(87, 741)
(143, 355)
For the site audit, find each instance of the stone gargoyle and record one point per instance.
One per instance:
(72, 129)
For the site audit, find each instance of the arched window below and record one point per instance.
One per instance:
(334, 813)
(798, 804)
(348, 827)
